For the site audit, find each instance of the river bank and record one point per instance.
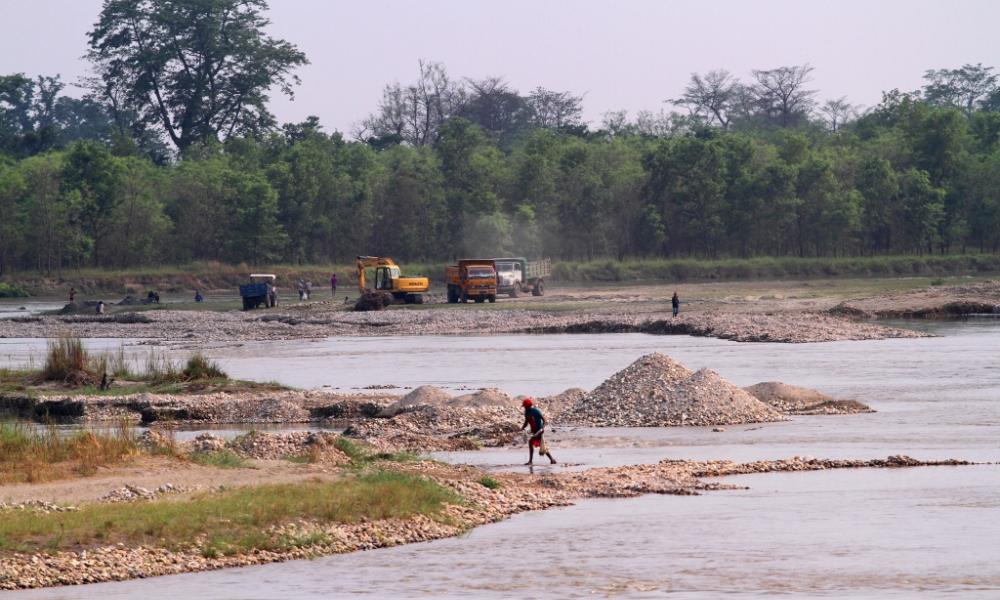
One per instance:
(787, 312)
(485, 498)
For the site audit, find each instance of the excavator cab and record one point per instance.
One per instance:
(384, 277)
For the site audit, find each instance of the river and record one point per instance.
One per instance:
(858, 533)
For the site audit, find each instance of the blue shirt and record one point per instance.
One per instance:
(535, 419)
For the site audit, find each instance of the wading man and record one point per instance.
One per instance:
(533, 418)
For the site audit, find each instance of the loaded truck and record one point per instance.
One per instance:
(472, 278)
(257, 292)
(408, 289)
(520, 275)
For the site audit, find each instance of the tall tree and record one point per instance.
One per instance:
(782, 95)
(710, 96)
(414, 113)
(837, 112)
(966, 88)
(199, 70)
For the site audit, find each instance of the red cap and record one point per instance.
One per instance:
(526, 403)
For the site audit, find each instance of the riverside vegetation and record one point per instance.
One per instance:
(756, 167)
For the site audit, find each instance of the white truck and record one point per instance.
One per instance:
(517, 275)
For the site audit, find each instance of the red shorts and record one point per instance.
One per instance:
(537, 441)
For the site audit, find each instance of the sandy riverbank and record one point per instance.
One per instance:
(792, 312)
(510, 494)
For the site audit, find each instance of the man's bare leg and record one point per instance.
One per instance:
(531, 454)
(549, 454)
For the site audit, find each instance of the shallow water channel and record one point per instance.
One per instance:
(860, 533)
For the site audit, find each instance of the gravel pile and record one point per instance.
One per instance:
(132, 493)
(656, 391)
(425, 395)
(794, 400)
(274, 446)
(37, 506)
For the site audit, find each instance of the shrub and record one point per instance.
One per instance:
(198, 368)
(8, 290)
(67, 361)
(488, 482)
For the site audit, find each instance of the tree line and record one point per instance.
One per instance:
(172, 156)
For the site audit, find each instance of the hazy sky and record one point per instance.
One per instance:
(623, 54)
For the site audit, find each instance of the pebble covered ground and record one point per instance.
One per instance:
(234, 326)
(514, 493)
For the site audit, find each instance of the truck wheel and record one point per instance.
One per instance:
(418, 298)
(479, 299)
(452, 295)
(539, 289)
(246, 303)
(493, 298)
(465, 298)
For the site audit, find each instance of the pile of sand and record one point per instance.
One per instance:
(435, 397)
(656, 391)
(425, 395)
(794, 400)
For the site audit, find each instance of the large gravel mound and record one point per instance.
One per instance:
(425, 395)
(656, 391)
(791, 399)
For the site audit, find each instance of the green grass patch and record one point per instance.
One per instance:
(8, 290)
(490, 483)
(361, 456)
(231, 521)
(225, 459)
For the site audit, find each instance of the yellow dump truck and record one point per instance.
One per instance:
(403, 288)
(472, 278)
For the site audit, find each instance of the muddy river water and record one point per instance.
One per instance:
(857, 533)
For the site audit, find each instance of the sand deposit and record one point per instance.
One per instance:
(194, 328)
(794, 400)
(516, 493)
(656, 391)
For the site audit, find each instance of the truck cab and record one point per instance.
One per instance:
(517, 274)
(472, 278)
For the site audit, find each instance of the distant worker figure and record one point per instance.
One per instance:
(152, 297)
(533, 418)
(100, 307)
(72, 294)
(309, 288)
(272, 295)
(301, 287)
(675, 302)
(198, 297)
(333, 285)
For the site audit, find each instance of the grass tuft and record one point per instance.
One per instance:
(488, 482)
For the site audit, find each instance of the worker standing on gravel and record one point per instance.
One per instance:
(675, 302)
(533, 418)
(333, 284)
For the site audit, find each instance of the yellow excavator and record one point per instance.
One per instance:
(402, 288)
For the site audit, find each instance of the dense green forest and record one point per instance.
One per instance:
(172, 156)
